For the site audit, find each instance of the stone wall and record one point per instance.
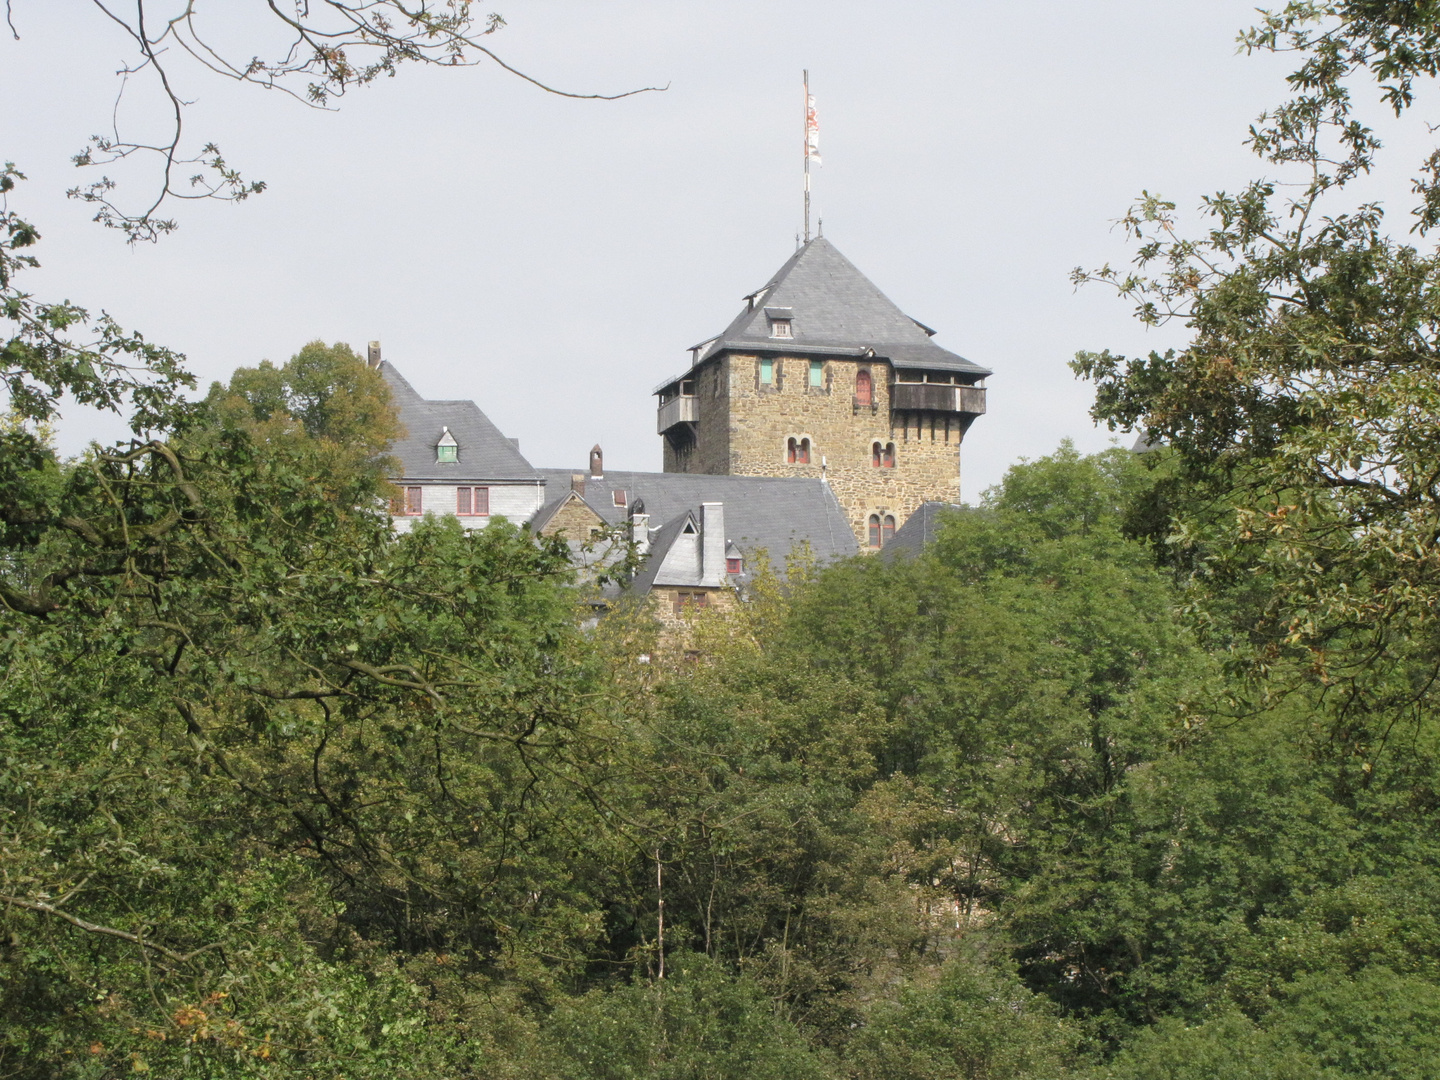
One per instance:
(575, 520)
(842, 435)
(675, 625)
(744, 428)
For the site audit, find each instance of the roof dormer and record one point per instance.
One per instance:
(446, 448)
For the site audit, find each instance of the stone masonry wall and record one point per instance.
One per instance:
(576, 520)
(842, 433)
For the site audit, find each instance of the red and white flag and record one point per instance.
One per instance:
(812, 131)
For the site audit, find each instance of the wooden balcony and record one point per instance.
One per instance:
(937, 397)
(678, 410)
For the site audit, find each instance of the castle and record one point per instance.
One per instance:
(822, 376)
(822, 415)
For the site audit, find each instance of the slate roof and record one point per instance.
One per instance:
(485, 454)
(770, 512)
(919, 529)
(660, 544)
(836, 310)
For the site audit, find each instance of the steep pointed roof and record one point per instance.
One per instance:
(484, 453)
(833, 308)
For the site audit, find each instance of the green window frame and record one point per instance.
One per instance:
(767, 372)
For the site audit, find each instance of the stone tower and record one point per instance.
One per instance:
(822, 376)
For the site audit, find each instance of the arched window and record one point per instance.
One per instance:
(887, 530)
(803, 457)
(792, 451)
(887, 457)
(875, 455)
(863, 388)
(874, 530)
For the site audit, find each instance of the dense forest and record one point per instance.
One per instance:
(1132, 774)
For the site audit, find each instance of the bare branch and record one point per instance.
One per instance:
(95, 928)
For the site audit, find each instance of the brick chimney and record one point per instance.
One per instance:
(597, 462)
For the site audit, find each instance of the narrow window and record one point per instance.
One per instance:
(792, 451)
(767, 372)
(803, 456)
(875, 455)
(480, 503)
(412, 501)
(462, 501)
(887, 530)
(817, 373)
(863, 388)
(887, 459)
(733, 566)
(874, 530)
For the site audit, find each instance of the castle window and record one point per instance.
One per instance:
(767, 372)
(864, 390)
(447, 449)
(686, 602)
(817, 373)
(733, 566)
(472, 501)
(875, 454)
(412, 502)
(792, 451)
(802, 456)
(887, 456)
(881, 530)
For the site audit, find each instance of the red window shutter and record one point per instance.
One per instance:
(863, 389)
(790, 452)
(804, 457)
(889, 458)
(875, 455)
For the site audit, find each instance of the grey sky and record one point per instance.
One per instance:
(553, 259)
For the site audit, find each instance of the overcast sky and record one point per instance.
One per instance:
(554, 259)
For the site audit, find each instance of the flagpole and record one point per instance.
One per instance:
(805, 143)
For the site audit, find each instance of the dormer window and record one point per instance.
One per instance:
(779, 318)
(447, 449)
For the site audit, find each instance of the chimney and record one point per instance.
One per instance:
(640, 533)
(597, 462)
(712, 543)
(577, 483)
(373, 354)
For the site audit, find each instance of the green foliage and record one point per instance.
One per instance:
(696, 1024)
(974, 1023)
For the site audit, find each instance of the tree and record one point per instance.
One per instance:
(1300, 422)
(331, 48)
